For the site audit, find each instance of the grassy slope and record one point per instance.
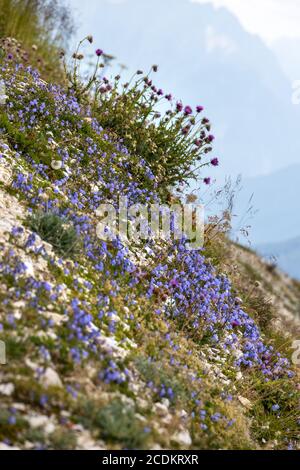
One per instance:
(42, 26)
(147, 381)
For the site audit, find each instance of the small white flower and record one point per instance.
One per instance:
(29, 268)
(94, 188)
(3, 99)
(3, 95)
(52, 144)
(56, 164)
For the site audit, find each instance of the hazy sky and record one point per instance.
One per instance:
(271, 19)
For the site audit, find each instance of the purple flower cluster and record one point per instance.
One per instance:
(204, 300)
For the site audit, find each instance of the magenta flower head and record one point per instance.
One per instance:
(214, 162)
(179, 107)
(207, 180)
(210, 138)
(188, 110)
(199, 109)
(99, 52)
(186, 130)
(168, 97)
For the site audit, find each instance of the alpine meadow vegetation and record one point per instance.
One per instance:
(108, 345)
(44, 28)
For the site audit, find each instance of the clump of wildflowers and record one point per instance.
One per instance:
(172, 142)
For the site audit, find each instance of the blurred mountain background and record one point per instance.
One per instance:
(206, 56)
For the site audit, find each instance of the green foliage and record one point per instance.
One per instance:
(63, 439)
(162, 377)
(33, 20)
(10, 429)
(15, 349)
(35, 145)
(160, 141)
(57, 231)
(35, 435)
(280, 424)
(119, 423)
(115, 421)
(260, 308)
(43, 27)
